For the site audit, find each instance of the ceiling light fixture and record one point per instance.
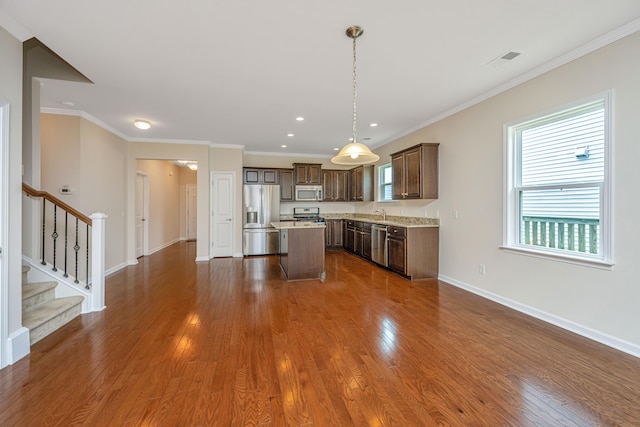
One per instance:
(355, 153)
(142, 124)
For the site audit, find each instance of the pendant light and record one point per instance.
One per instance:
(355, 153)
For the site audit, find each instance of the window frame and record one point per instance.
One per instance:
(512, 189)
(382, 184)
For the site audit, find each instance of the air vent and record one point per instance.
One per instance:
(504, 58)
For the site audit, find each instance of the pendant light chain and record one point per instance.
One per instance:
(355, 130)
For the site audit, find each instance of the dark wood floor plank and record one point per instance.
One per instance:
(230, 342)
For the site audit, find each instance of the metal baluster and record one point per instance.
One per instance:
(76, 248)
(44, 204)
(66, 239)
(87, 266)
(54, 235)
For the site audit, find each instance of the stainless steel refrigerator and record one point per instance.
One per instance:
(260, 207)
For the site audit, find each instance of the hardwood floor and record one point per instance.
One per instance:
(230, 343)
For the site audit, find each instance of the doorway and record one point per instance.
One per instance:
(142, 214)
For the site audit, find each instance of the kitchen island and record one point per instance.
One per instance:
(301, 249)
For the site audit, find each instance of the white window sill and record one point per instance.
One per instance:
(569, 259)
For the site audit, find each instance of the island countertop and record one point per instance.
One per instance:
(286, 225)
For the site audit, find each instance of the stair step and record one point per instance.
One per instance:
(43, 319)
(25, 270)
(37, 293)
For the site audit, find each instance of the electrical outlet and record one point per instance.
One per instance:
(481, 269)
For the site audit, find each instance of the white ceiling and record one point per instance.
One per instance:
(240, 72)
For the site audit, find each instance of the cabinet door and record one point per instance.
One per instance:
(328, 233)
(336, 238)
(359, 183)
(341, 186)
(270, 176)
(413, 174)
(352, 185)
(349, 237)
(314, 174)
(397, 255)
(397, 169)
(286, 185)
(366, 244)
(251, 176)
(328, 186)
(300, 172)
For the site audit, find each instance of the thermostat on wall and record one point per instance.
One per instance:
(65, 189)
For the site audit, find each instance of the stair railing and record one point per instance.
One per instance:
(84, 260)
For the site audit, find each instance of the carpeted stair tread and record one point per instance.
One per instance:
(41, 313)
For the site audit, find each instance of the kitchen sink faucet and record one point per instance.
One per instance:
(381, 212)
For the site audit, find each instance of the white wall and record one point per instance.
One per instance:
(599, 303)
(91, 160)
(11, 93)
(187, 176)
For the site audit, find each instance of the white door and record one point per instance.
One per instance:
(142, 202)
(222, 207)
(192, 211)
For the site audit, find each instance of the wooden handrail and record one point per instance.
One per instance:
(37, 193)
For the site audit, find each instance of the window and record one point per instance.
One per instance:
(557, 197)
(384, 179)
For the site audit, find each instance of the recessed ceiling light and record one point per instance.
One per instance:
(299, 119)
(373, 125)
(142, 124)
(68, 103)
(289, 135)
(283, 146)
(336, 149)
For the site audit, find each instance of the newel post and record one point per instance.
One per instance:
(98, 221)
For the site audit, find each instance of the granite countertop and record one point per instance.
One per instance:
(286, 225)
(400, 221)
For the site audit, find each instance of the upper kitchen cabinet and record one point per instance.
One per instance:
(307, 173)
(259, 176)
(415, 172)
(335, 185)
(285, 176)
(361, 183)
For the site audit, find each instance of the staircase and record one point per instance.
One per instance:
(42, 312)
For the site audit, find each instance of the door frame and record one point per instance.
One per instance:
(191, 189)
(145, 213)
(212, 227)
(4, 231)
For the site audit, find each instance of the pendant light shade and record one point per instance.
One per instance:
(355, 153)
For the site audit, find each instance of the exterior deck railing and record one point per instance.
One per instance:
(573, 234)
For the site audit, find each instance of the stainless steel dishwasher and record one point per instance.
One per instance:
(379, 244)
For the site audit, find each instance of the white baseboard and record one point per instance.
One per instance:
(117, 268)
(166, 245)
(238, 255)
(202, 259)
(592, 334)
(18, 345)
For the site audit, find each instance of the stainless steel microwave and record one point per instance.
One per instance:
(308, 193)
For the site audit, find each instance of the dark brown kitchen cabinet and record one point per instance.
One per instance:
(415, 172)
(350, 235)
(413, 252)
(335, 185)
(259, 176)
(363, 239)
(333, 233)
(361, 184)
(307, 173)
(285, 177)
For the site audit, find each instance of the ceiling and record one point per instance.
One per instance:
(239, 72)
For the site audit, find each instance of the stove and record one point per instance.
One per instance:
(307, 214)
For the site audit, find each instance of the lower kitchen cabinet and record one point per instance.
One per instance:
(333, 233)
(413, 252)
(349, 235)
